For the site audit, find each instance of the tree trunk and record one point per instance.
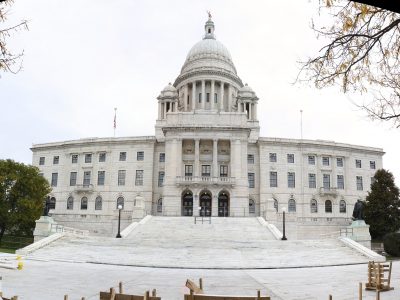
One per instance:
(2, 229)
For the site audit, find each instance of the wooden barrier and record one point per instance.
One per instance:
(112, 295)
(376, 276)
(225, 297)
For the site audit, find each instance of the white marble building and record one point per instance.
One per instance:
(206, 158)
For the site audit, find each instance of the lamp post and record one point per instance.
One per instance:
(284, 234)
(119, 221)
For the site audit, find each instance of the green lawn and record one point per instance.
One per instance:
(7, 250)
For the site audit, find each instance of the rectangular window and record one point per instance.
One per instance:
(199, 97)
(188, 170)
(372, 180)
(251, 180)
(273, 179)
(312, 181)
(161, 178)
(326, 181)
(74, 158)
(359, 181)
(339, 162)
(54, 179)
(290, 158)
(206, 170)
(56, 160)
(250, 158)
(311, 160)
(122, 156)
(162, 157)
(41, 160)
(88, 157)
(86, 178)
(291, 180)
(101, 175)
(121, 177)
(223, 171)
(140, 155)
(102, 157)
(358, 163)
(208, 97)
(272, 157)
(340, 182)
(139, 177)
(372, 164)
(72, 178)
(215, 98)
(325, 161)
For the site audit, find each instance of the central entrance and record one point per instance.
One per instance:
(187, 203)
(223, 204)
(205, 204)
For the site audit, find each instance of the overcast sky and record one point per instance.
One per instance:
(83, 58)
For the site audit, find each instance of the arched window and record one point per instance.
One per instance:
(292, 205)
(84, 203)
(328, 206)
(276, 205)
(159, 205)
(52, 204)
(313, 206)
(252, 206)
(120, 201)
(342, 206)
(98, 203)
(70, 202)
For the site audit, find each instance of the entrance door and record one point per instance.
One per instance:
(187, 204)
(205, 204)
(223, 205)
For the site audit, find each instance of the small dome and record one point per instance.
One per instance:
(246, 92)
(169, 92)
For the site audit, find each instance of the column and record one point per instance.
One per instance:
(203, 94)
(196, 157)
(215, 158)
(250, 112)
(165, 110)
(185, 96)
(230, 98)
(194, 96)
(159, 110)
(255, 111)
(221, 101)
(212, 95)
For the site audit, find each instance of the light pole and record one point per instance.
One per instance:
(119, 221)
(284, 234)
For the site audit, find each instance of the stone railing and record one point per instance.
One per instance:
(84, 188)
(183, 180)
(328, 191)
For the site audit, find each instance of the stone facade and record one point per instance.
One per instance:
(206, 158)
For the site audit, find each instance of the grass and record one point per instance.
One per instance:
(7, 250)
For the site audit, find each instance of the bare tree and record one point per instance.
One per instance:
(361, 53)
(9, 62)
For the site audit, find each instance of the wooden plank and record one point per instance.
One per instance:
(193, 287)
(224, 297)
(106, 296)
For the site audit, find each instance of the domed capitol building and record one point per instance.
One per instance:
(206, 159)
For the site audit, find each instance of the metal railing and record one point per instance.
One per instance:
(202, 218)
(346, 231)
(57, 228)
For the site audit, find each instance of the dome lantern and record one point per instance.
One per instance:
(209, 28)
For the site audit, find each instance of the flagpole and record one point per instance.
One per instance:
(115, 119)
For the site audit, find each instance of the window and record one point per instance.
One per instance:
(72, 178)
(373, 180)
(122, 156)
(328, 206)
(359, 182)
(311, 160)
(199, 97)
(252, 206)
(88, 157)
(276, 205)
(250, 158)
(325, 161)
(159, 205)
(101, 177)
(74, 158)
(161, 178)
(140, 155)
(223, 171)
(292, 205)
(162, 157)
(56, 160)
(120, 201)
(272, 157)
(215, 98)
(188, 170)
(41, 161)
(326, 181)
(208, 97)
(358, 163)
(312, 182)
(372, 164)
(102, 157)
(291, 180)
(340, 182)
(273, 179)
(206, 170)
(139, 177)
(86, 178)
(313, 206)
(339, 162)
(52, 204)
(121, 177)
(251, 179)
(98, 203)
(342, 206)
(54, 179)
(70, 203)
(290, 158)
(84, 203)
